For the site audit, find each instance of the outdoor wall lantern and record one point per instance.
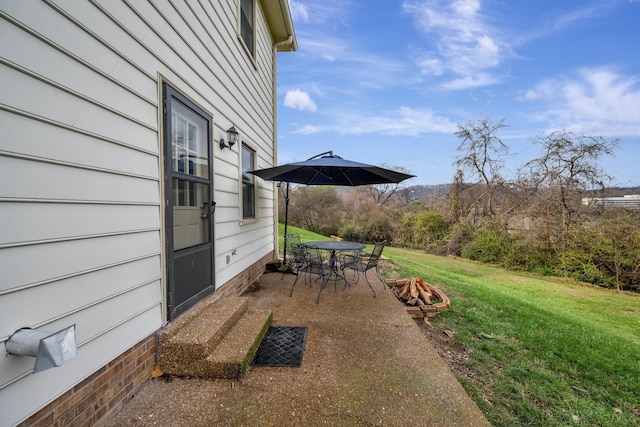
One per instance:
(232, 138)
(49, 349)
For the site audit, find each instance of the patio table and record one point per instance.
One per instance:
(333, 247)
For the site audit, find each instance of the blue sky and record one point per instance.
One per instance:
(388, 81)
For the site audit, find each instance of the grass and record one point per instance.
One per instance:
(305, 236)
(546, 352)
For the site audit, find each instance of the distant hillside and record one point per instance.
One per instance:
(416, 192)
(620, 191)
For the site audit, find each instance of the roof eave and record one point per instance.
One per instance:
(280, 23)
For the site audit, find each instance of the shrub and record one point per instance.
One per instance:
(527, 256)
(459, 236)
(580, 266)
(489, 244)
(423, 229)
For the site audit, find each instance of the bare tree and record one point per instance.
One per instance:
(569, 167)
(458, 209)
(316, 209)
(481, 157)
(382, 193)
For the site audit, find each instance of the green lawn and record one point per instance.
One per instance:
(546, 352)
(305, 236)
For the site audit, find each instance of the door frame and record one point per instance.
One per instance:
(169, 95)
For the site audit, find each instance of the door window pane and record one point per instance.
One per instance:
(191, 213)
(189, 142)
(190, 160)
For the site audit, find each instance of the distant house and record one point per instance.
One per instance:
(628, 201)
(120, 206)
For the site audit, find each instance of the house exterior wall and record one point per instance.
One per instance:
(81, 188)
(627, 201)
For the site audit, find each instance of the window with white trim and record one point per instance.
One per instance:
(248, 183)
(247, 25)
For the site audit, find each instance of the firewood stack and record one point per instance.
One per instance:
(421, 298)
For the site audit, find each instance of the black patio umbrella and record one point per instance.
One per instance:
(327, 169)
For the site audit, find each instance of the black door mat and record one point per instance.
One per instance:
(281, 346)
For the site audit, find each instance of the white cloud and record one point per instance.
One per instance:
(318, 12)
(299, 100)
(466, 45)
(430, 66)
(466, 7)
(487, 51)
(469, 82)
(299, 11)
(329, 56)
(594, 100)
(543, 90)
(403, 121)
(309, 129)
(585, 12)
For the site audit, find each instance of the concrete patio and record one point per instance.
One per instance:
(365, 362)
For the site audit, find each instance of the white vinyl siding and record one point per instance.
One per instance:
(81, 221)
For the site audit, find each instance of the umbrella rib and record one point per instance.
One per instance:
(343, 172)
(315, 174)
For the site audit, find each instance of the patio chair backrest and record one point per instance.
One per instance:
(314, 263)
(299, 257)
(298, 253)
(376, 254)
(289, 240)
(353, 237)
(292, 239)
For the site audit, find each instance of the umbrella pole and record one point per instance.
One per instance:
(286, 219)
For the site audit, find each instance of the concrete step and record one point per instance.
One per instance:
(185, 345)
(231, 358)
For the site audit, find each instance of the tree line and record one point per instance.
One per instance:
(534, 220)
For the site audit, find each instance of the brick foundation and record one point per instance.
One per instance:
(98, 397)
(102, 394)
(240, 283)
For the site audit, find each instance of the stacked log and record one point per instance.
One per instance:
(420, 298)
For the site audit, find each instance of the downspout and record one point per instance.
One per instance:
(274, 71)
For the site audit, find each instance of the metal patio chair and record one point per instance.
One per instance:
(354, 237)
(291, 239)
(309, 262)
(361, 264)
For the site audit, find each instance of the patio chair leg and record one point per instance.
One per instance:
(287, 271)
(325, 281)
(294, 285)
(369, 283)
(384, 282)
(356, 277)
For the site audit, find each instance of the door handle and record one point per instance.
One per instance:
(212, 209)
